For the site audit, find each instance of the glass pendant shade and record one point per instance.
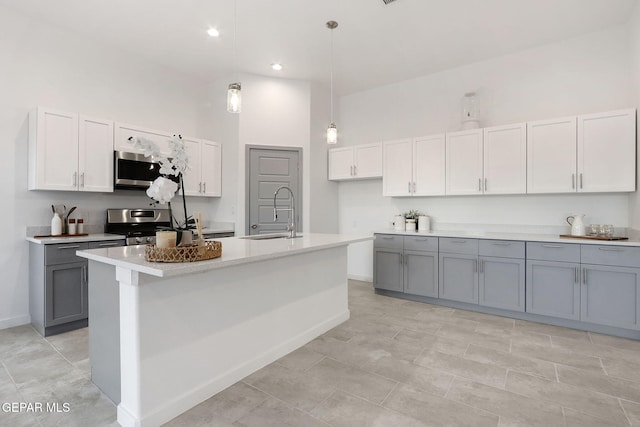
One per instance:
(234, 98)
(332, 134)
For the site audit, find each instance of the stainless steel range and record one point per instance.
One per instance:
(139, 225)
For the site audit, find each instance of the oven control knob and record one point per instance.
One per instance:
(138, 240)
(149, 239)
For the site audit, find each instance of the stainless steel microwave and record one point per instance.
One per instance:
(135, 171)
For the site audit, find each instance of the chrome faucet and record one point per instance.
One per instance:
(291, 225)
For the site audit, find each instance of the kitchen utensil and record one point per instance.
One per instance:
(577, 224)
(71, 211)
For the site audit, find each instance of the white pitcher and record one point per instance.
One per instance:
(577, 224)
(398, 223)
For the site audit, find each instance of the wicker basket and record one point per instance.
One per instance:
(210, 250)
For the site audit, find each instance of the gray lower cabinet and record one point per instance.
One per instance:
(406, 264)
(458, 265)
(610, 291)
(501, 282)
(553, 285)
(421, 273)
(58, 286)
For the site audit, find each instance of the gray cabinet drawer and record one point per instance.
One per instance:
(106, 244)
(622, 256)
(416, 243)
(564, 252)
(63, 252)
(389, 241)
(501, 248)
(459, 246)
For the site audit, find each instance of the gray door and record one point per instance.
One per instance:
(268, 169)
(421, 273)
(553, 289)
(459, 277)
(387, 272)
(501, 283)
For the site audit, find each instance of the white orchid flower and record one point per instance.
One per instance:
(162, 190)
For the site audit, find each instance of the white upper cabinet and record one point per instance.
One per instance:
(95, 155)
(551, 156)
(414, 167)
(341, 161)
(607, 151)
(204, 176)
(69, 152)
(464, 162)
(124, 131)
(356, 162)
(429, 166)
(397, 175)
(505, 159)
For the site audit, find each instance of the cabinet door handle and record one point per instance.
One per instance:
(422, 240)
(575, 275)
(355, 170)
(75, 178)
(553, 246)
(482, 266)
(584, 276)
(573, 181)
(501, 244)
(82, 180)
(414, 186)
(204, 187)
(475, 266)
(401, 260)
(109, 244)
(85, 274)
(485, 184)
(611, 249)
(199, 187)
(409, 187)
(458, 241)
(580, 180)
(69, 247)
(479, 184)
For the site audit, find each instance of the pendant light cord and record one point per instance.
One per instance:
(235, 42)
(331, 74)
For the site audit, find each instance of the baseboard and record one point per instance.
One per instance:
(15, 321)
(188, 400)
(360, 278)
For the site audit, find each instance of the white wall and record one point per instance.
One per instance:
(274, 112)
(634, 37)
(46, 66)
(586, 74)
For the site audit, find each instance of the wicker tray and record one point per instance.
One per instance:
(210, 250)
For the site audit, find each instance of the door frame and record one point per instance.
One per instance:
(247, 181)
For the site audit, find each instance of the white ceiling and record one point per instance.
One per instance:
(375, 44)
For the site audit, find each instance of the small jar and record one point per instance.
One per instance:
(80, 227)
(72, 226)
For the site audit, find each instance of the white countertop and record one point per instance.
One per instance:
(75, 239)
(235, 251)
(529, 237)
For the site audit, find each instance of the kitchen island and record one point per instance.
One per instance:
(165, 337)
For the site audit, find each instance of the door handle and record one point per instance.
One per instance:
(109, 244)
(611, 249)
(475, 266)
(580, 180)
(552, 246)
(501, 243)
(401, 260)
(355, 170)
(75, 178)
(414, 186)
(458, 241)
(204, 187)
(199, 187)
(575, 275)
(573, 181)
(409, 187)
(254, 226)
(69, 247)
(584, 276)
(82, 180)
(479, 184)
(482, 266)
(485, 184)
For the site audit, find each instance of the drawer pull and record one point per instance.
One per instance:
(69, 247)
(611, 249)
(422, 240)
(458, 241)
(109, 244)
(501, 243)
(388, 238)
(553, 246)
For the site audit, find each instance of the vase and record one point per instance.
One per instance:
(410, 225)
(56, 225)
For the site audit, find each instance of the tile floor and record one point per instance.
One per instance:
(394, 363)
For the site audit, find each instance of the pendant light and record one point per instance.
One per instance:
(332, 130)
(234, 95)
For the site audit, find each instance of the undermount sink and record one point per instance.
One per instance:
(269, 236)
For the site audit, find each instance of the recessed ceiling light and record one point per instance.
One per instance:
(213, 32)
(277, 66)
